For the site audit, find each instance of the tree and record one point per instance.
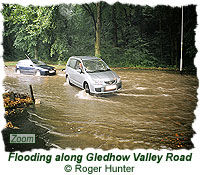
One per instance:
(96, 17)
(98, 30)
(30, 25)
(122, 34)
(115, 27)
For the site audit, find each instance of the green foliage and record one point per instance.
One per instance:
(139, 36)
(30, 26)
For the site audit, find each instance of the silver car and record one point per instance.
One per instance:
(92, 74)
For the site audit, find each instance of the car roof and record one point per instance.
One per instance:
(25, 60)
(85, 57)
(28, 60)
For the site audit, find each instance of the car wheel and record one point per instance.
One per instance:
(37, 73)
(17, 71)
(87, 89)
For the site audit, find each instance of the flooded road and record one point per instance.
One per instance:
(155, 109)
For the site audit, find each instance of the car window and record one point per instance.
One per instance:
(39, 63)
(72, 63)
(25, 63)
(20, 63)
(29, 63)
(78, 65)
(95, 65)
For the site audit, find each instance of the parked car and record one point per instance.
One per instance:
(34, 67)
(92, 74)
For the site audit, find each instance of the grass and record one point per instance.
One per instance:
(148, 68)
(10, 63)
(58, 67)
(62, 66)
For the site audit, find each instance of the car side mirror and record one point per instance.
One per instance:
(79, 71)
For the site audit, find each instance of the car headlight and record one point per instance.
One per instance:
(98, 82)
(118, 79)
(45, 70)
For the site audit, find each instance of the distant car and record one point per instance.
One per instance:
(34, 67)
(92, 74)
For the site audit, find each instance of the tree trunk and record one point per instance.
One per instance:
(171, 47)
(98, 24)
(160, 31)
(172, 52)
(115, 37)
(36, 52)
(176, 52)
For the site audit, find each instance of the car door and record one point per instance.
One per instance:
(70, 70)
(29, 68)
(74, 73)
(78, 73)
(24, 66)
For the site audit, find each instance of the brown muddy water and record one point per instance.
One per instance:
(154, 110)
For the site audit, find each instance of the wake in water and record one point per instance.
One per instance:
(143, 95)
(35, 115)
(66, 83)
(141, 88)
(85, 96)
(134, 87)
(81, 94)
(62, 75)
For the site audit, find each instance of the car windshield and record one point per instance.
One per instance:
(95, 65)
(39, 63)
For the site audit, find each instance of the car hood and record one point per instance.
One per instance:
(107, 75)
(46, 67)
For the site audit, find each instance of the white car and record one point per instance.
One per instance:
(34, 67)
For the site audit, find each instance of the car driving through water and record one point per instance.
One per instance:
(92, 74)
(34, 67)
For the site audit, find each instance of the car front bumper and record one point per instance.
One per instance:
(51, 72)
(104, 89)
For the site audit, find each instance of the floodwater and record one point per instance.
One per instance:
(154, 110)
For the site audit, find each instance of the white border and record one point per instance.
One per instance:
(183, 168)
